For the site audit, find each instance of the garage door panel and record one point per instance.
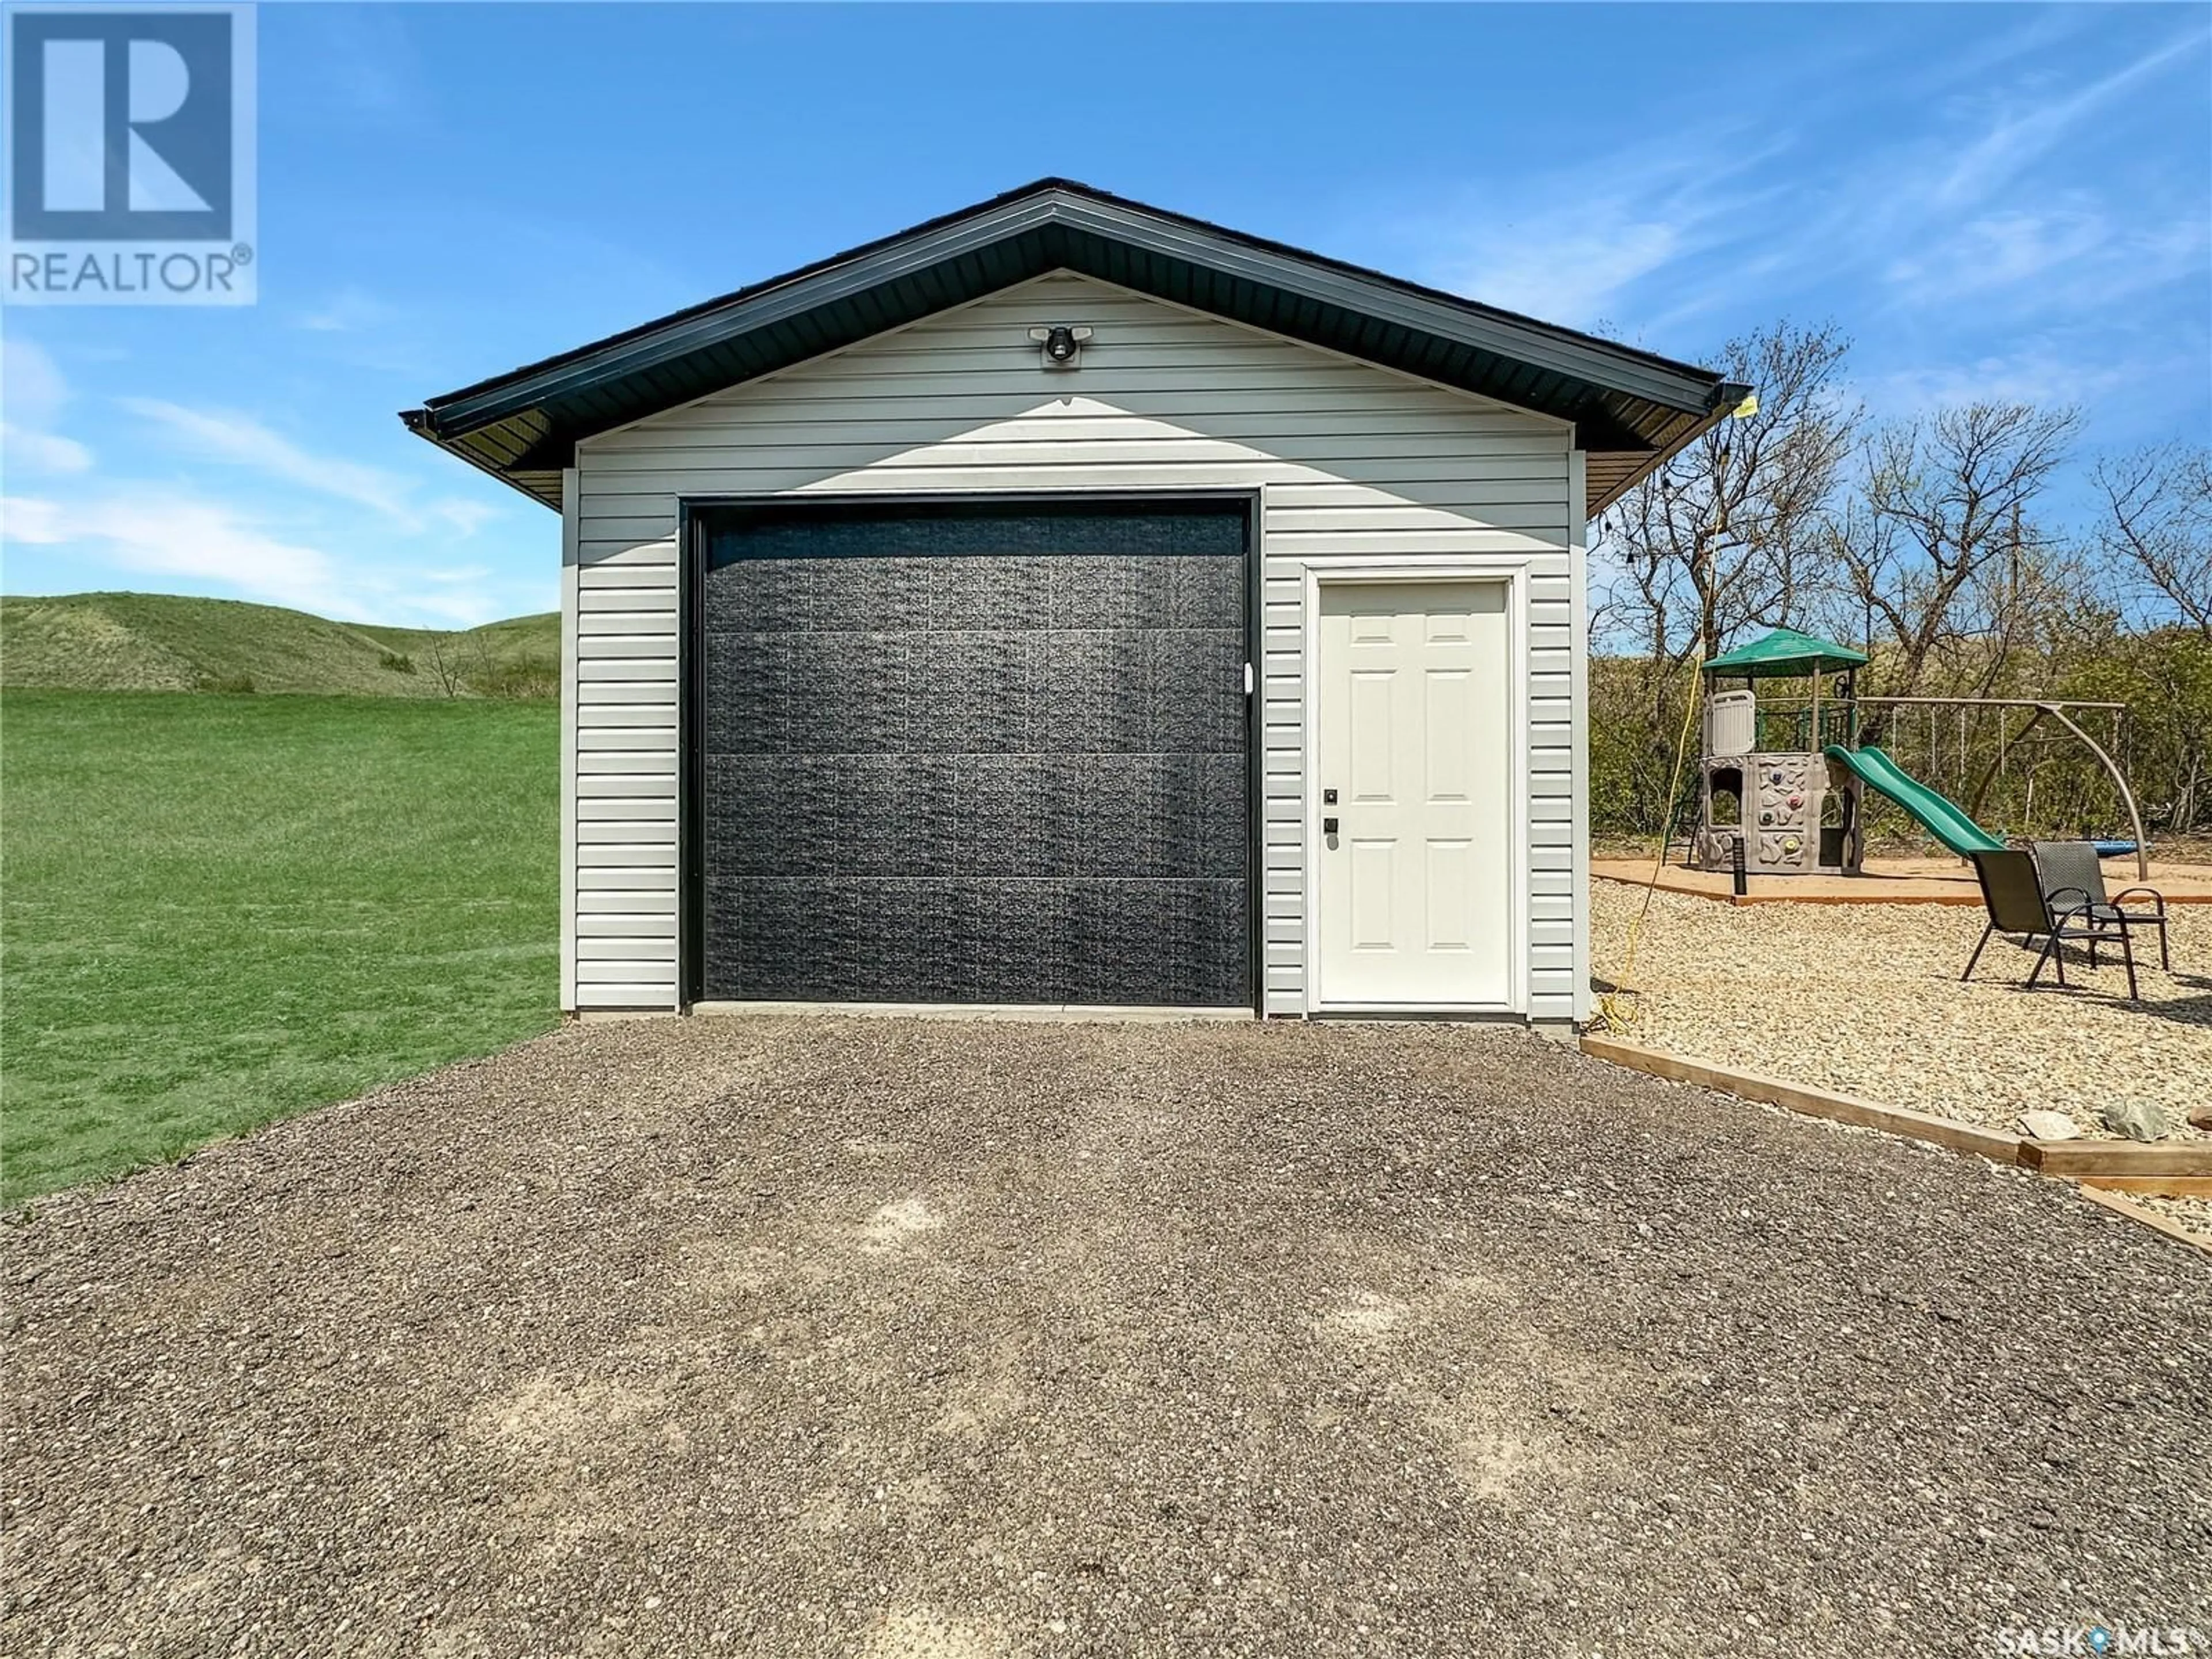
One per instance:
(983, 758)
(1224, 788)
(990, 595)
(757, 596)
(1151, 816)
(1205, 591)
(985, 594)
(1195, 690)
(747, 676)
(850, 694)
(976, 692)
(1104, 592)
(825, 814)
(966, 939)
(1158, 941)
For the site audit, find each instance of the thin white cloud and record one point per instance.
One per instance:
(31, 521)
(350, 311)
(32, 388)
(362, 67)
(1971, 218)
(463, 518)
(2036, 374)
(462, 607)
(2075, 257)
(182, 538)
(267, 546)
(1574, 247)
(1571, 273)
(226, 435)
(170, 535)
(1999, 249)
(2028, 132)
(223, 435)
(32, 392)
(1973, 64)
(42, 452)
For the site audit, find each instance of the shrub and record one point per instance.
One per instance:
(520, 679)
(397, 662)
(234, 685)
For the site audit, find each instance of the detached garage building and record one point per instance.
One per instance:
(1066, 601)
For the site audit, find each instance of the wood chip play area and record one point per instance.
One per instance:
(1864, 998)
(2041, 1003)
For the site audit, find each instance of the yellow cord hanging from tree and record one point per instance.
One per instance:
(1617, 1013)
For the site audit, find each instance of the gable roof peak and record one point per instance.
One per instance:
(1631, 408)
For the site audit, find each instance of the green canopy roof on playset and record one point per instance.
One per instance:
(1786, 651)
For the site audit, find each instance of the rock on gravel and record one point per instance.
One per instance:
(2135, 1119)
(896, 1337)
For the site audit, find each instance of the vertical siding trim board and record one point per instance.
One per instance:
(571, 625)
(691, 757)
(1255, 740)
(1512, 570)
(1579, 715)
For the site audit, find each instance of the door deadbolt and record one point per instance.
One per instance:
(1329, 798)
(1328, 826)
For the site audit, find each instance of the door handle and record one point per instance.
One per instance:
(1328, 826)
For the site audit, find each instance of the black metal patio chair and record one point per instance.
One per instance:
(2074, 879)
(2014, 896)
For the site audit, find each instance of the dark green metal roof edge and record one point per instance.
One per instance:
(1633, 406)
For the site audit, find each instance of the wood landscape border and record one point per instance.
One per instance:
(2182, 1169)
(1833, 890)
(2120, 1204)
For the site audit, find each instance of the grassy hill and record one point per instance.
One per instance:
(166, 642)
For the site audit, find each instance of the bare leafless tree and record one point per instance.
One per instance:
(456, 660)
(1724, 537)
(442, 656)
(1940, 547)
(2157, 530)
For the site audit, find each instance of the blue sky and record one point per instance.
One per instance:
(1993, 201)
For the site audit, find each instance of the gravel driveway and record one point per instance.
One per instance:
(889, 1337)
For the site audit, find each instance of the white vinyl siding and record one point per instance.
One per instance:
(1350, 461)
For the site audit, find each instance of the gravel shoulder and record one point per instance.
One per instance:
(888, 1337)
(1867, 1000)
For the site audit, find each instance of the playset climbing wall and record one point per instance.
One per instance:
(1774, 801)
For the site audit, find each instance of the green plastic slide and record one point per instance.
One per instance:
(1931, 812)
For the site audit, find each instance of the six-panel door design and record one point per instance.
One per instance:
(973, 751)
(1413, 735)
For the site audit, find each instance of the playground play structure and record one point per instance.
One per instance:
(1783, 773)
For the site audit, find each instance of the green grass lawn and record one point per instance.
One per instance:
(218, 910)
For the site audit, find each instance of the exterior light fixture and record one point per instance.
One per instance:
(1060, 346)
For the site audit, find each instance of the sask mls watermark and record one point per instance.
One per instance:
(2119, 1640)
(129, 169)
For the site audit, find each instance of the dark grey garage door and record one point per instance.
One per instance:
(968, 754)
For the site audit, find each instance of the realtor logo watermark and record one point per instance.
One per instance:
(131, 159)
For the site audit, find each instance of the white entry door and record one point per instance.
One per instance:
(1415, 735)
